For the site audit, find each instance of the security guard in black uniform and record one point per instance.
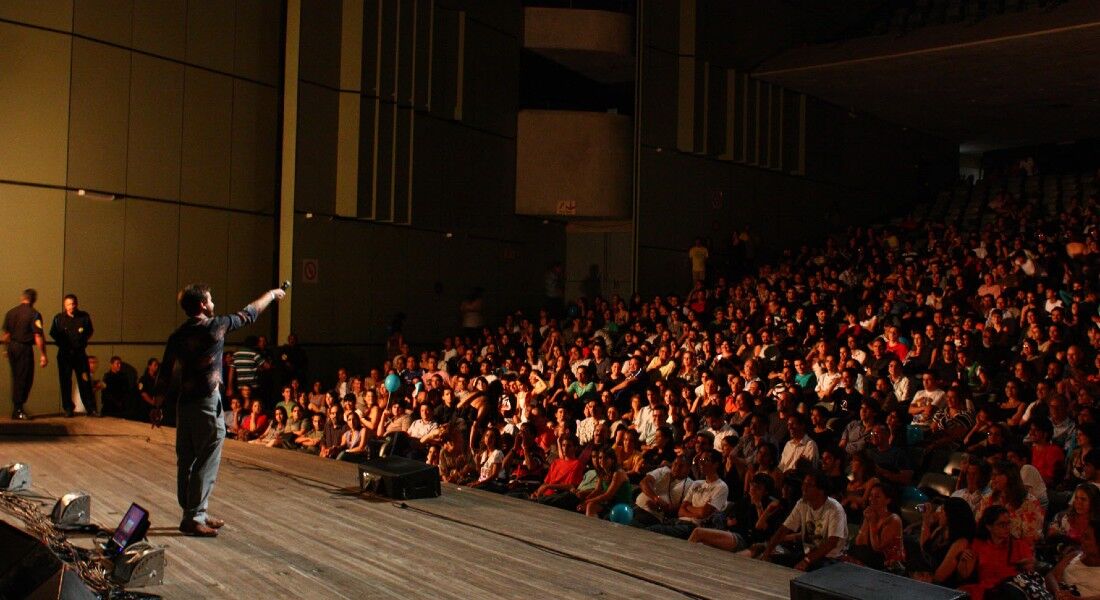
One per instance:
(71, 330)
(22, 328)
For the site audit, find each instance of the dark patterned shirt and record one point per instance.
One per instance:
(192, 365)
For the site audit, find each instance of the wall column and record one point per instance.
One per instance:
(285, 238)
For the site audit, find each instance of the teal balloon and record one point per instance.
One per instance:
(914, 435)
(622, 513)
(392, 383)
(914, 495)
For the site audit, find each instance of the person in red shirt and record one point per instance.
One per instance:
(1046, 457)
(994, 555)
(254, 425)
(565, 472)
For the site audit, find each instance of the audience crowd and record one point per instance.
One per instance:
(918, 398)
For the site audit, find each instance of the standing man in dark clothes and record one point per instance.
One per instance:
(22, 328)
(71, 330)
(191, 372)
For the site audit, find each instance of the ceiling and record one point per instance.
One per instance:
(1011, 80)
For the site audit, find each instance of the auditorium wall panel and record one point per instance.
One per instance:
(94, 235)
(210, 34)
(32, 259)
(34, 102)
(255, 146)
(207, 127)
(150, 261)
(98, 118)
(250, 269)
(155, 128)
(149, 97)
(161, 28)
(54, 14)
(207, 261)
(105, 20)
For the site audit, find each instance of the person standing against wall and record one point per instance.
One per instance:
(191, 373)
(698, 255)
(71, 330)
(22, 328)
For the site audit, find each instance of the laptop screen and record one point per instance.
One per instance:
(130, 523)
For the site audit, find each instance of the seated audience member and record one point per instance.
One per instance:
(612, 486)
(310, 441)
(489, 460)
(525, 463)
(822, 526)
(1077, 575)
(946, 531)
(275, 429)
(973, 483)
(890, 463)
(1006, 489)
(663, 489)
(1084, 507)
(799, 446)
(879, 543)
(859, 485)
(705, 497)
(424, 433)
(296, 426)
(754, 520)
(454, 460)
(994, 555)
(630, 454)
(353, 444)
(233, 417)
(1047, 458)
(335, 426)
(564, 474)
(254, 424)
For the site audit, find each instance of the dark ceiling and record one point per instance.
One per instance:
(1016, 79)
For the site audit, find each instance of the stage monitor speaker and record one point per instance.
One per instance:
(399, 478)
(28, 569)
(845, 581)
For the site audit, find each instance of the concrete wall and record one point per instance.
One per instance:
(581, 159)
(172, 107)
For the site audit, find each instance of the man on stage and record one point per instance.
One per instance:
(191, 370)
(71, 330)
(22, 332)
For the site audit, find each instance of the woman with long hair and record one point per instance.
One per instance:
(612, 485)
(1007, 490)
(946, 531)
(1083, 508)
(994, 555)
(863, 479)
(879, 543)
(354, 440)
(275, 429)
(489, 459)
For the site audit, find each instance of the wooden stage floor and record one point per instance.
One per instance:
(295, 531)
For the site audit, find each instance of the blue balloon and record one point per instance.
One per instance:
(622, 513)
(911, 494)
(392, 383)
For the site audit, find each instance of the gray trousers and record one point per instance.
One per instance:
(200, 430)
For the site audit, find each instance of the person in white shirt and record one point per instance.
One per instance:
(663, 489)
(828, 377)
(821, 522)
(928, 400)
(799, 446)
(704, 498)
